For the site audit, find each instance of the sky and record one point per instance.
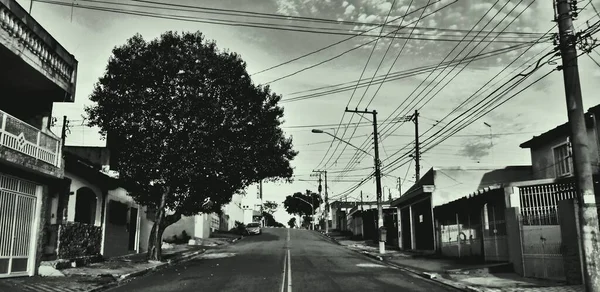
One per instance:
(428, 37)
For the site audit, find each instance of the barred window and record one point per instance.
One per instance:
(562, 160)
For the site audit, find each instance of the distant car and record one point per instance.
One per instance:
(253, 228)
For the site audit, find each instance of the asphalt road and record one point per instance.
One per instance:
(281, 260)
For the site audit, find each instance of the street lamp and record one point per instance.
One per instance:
(317, 131)
(491, 141)
(312, 221)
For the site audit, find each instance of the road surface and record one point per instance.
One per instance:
(280, 260)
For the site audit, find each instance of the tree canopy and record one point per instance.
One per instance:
(292, 222)
(270, 207)
(187, 125)
(300, 203)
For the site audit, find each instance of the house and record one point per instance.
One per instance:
(203, 225)
(339, 211)
(36, 71)
(551, 151)
(95, 214)
(439, 186)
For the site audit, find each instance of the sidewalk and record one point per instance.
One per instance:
(112, 272)
(460, 275)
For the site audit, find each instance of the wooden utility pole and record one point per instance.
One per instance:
(377, 173)
(588, 214)
(417, 147)
(63, 131)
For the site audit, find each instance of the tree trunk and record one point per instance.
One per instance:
(162, 222)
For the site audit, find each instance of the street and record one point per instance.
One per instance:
(280, 260)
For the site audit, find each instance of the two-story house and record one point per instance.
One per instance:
(35, 72)
(551, 151)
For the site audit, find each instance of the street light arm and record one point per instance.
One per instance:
(316, 131)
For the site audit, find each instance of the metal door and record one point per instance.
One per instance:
(17, 214)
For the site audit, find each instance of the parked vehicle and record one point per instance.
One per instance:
(253, 228)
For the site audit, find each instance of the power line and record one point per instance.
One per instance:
(360, 155)
(354, 48)
(331, 89)
(339, 55)
(358, 83)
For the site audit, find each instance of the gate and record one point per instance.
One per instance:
(17, 214)
(495, 242)
(540, 227)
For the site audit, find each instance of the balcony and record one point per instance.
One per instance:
(26, 146)
(32, 58)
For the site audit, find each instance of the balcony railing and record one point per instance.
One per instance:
(24, 29)
(20, 136)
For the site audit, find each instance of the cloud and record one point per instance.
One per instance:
(349, 9)
(287, 7)
(345, 4)
(475, 149)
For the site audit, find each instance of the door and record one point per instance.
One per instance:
(17, 219)
(133, 214)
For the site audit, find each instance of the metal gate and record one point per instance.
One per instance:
(495, 242)
(540, 229)
(17, 214)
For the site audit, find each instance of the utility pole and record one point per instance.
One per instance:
(377, 173)
(362, 214)
(326, 206)
(417, 147)
(588, 215)
(63, 131)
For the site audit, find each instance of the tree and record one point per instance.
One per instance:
(301, 204)
(292, 222)
(270, 207)
(187, 125)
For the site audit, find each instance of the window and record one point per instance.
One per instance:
(562, 160)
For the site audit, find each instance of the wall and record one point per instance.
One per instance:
(202, 224)
(116, 237)
(542, 158)
(186, 223)
(234, 211)
(96, 155)
(77, 183)
(145, 229)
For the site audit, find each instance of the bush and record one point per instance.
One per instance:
(239, 228)
(181, 239)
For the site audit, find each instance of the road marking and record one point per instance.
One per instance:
(283, 276)
(289, 264)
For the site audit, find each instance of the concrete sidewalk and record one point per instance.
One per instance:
(460, 275)
(112, 272)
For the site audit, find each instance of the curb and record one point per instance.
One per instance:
(434, 277)
(427, 275)
(237, 239)
(184, 257)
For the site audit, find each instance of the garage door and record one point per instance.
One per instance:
(17, 219)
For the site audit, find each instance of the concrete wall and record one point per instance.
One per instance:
(234, 211)
(186, 223)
